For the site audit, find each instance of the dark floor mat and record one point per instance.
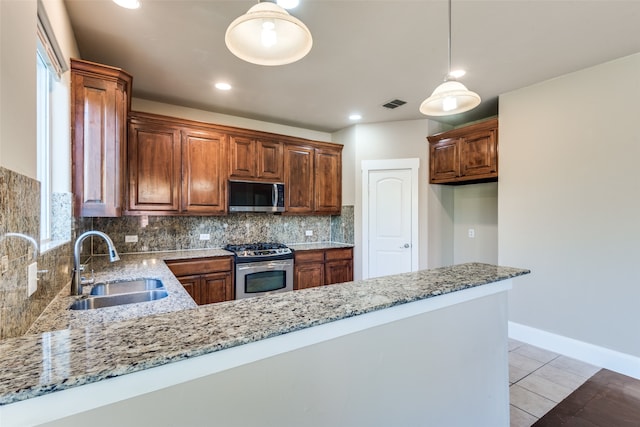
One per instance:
(607, 399)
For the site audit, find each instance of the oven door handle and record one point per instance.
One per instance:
(265, 265)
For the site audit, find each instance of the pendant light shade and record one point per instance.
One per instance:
(268, 35)
(451, 97)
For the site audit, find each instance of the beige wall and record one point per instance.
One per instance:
(18, 147)
(390, 140)
(569, 204)
(475, 206)
(147, 106)
(18, 86)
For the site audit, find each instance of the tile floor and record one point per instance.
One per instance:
(539, 379)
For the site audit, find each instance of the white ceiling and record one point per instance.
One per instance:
(365, 53)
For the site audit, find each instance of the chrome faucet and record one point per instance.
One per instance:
(77, 281)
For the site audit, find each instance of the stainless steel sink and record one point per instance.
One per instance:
(127, 286)
(118, 299)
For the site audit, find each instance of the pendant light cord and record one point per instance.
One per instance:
(449, 44)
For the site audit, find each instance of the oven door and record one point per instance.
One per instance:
(264, 277)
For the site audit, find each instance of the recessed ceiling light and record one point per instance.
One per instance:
(223, 86)
(128, 4)
(288, 4)
(456, 74)
(355, 117)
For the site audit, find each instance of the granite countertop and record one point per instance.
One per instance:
(135, 266)
(131, 266)
(318, 245)
(37, 364)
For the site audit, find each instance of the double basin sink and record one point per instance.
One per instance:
(120, 293)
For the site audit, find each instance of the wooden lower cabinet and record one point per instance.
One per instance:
(207, 280)
(322, 267)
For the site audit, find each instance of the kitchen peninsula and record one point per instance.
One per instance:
(395, 350)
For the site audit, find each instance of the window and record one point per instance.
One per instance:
(44, 80)
(52, 105)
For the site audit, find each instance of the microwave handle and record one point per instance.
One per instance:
(274, 196)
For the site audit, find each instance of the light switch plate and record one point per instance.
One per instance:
(205, 236)
(308, 233)
(32, 275)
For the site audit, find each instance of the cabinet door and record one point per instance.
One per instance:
(338, 271)
(204, 175)
(308, 275)
(192, 285)
(445, 160)
(154, 168)
(242, 157)
(269, 163)
(216, 287)
(479, 155)
(328, 181)
(298, 179)
(98, 120)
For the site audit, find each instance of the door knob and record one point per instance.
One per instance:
(406, 245)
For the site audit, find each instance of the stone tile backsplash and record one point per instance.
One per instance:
(18, 195)
(162, 233)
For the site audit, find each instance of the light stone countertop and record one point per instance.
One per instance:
(38, 364)
(136, 266)
(131, 266)
(318, 245)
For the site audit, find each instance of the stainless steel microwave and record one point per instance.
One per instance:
(249, 196)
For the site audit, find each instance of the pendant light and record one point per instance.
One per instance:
(268, 35)
(451, 97)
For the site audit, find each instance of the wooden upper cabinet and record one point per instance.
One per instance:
(242, 157)
(270, 160)
(100, 101)
(154, 167)
(479, 154)
(252, 158)
(445, 160)
(466, 154)
(203, 165)
(328, 181)
(175, 167)
(298, 178)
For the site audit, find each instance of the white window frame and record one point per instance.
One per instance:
(44, 144)
(50, 65)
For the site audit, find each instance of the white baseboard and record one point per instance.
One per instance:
(622, 363)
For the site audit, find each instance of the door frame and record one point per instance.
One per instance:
(412, 164)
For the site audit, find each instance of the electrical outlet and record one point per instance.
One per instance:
(205, 236)
(308, 233)
(472, 233)
(32, 278)
(5, 263)
(131, 239)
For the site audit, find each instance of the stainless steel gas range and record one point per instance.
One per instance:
(262, 268)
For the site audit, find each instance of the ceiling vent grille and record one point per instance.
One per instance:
(394, 104)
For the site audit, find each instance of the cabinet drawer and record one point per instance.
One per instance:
(309, 256)
(333, 254)
(200, 266)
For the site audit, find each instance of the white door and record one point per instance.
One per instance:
(391, 223)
